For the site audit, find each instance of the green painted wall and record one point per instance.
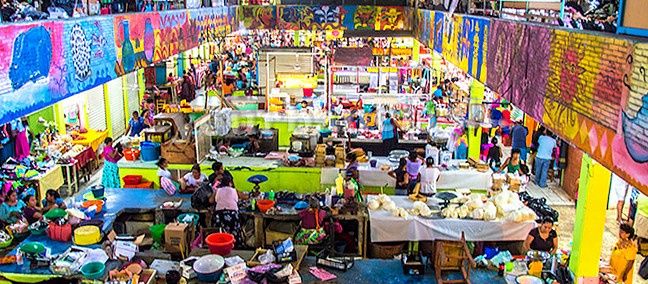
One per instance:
(46, 113)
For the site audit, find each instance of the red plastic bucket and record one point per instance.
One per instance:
(220, 243)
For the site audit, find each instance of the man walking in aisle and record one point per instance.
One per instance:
(546, 144)
(518, 137)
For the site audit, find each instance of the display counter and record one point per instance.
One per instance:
(384, 227)
(285, 123)
(301, 179)
(449, 179)
(377, 147)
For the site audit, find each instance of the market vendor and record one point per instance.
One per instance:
(219, 173)
(254, 145)
(401, 176)
(191, 181)
(11, 209)
(52, 200)
(312, 221)
(135, 125)
(352, 167)
(413, 168)
(110, 175)
(31, 212)
(543, 238)
(226, 215)
(624, 254)
(513, 163)
(167, 182)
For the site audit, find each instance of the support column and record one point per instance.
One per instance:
(474, 132)
(593, 190)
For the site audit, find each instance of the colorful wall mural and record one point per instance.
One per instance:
(45, 62)
(385, 18)
(591, 89)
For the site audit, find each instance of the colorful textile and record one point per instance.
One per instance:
(229, 221)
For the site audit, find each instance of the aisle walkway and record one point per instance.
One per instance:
(554, 194)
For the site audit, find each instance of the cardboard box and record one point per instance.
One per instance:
(176, 238)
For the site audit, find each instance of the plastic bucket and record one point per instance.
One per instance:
(149, 151)
(157, 232)
(97, 191)
(220, 243)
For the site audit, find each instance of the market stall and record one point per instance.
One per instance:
(385, 227)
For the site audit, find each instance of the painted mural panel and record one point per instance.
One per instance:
(518, 67)
(31, 68)
(360, 17)
(451, 29)
(423, 27)
(586, 75)
(89, 53)
(210, 23)
(176, 34)
(474, 42)
(295, 18)
(137, 41)
(630, 145)
(258, 17)
(391, 18)
(439, 24)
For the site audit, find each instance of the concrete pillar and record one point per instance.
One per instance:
(475, 131)
(593, 190)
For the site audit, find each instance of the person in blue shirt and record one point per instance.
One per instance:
(546, 144)
(518, 137)
(52, 200)
(438, 93)
(135, 125)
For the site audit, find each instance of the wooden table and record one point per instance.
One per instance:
(260, 226)
(92, 138)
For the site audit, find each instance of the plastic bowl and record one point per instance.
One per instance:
(93, 270)
(6, 243)
(265, 205)
(33, 248)
(209, 268)
(132, 179)
(193, 216)
(220, 243)
(89, 203)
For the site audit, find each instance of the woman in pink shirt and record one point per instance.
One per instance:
(110, 175)
(226, 214)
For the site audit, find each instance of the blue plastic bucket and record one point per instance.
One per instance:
(149, 151)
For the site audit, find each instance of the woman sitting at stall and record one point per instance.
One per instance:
(52, 200)
(413, 167)
(191, 181)
(31, 212)
(401, 176)
(218, 174)
(429, 177)
(624, 254)
(226, 215)
(312, 221)
(512, 164)
(166, 179)
(110, 175)
(543, 238)
(11, 209)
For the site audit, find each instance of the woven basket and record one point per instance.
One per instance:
(386, 250)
